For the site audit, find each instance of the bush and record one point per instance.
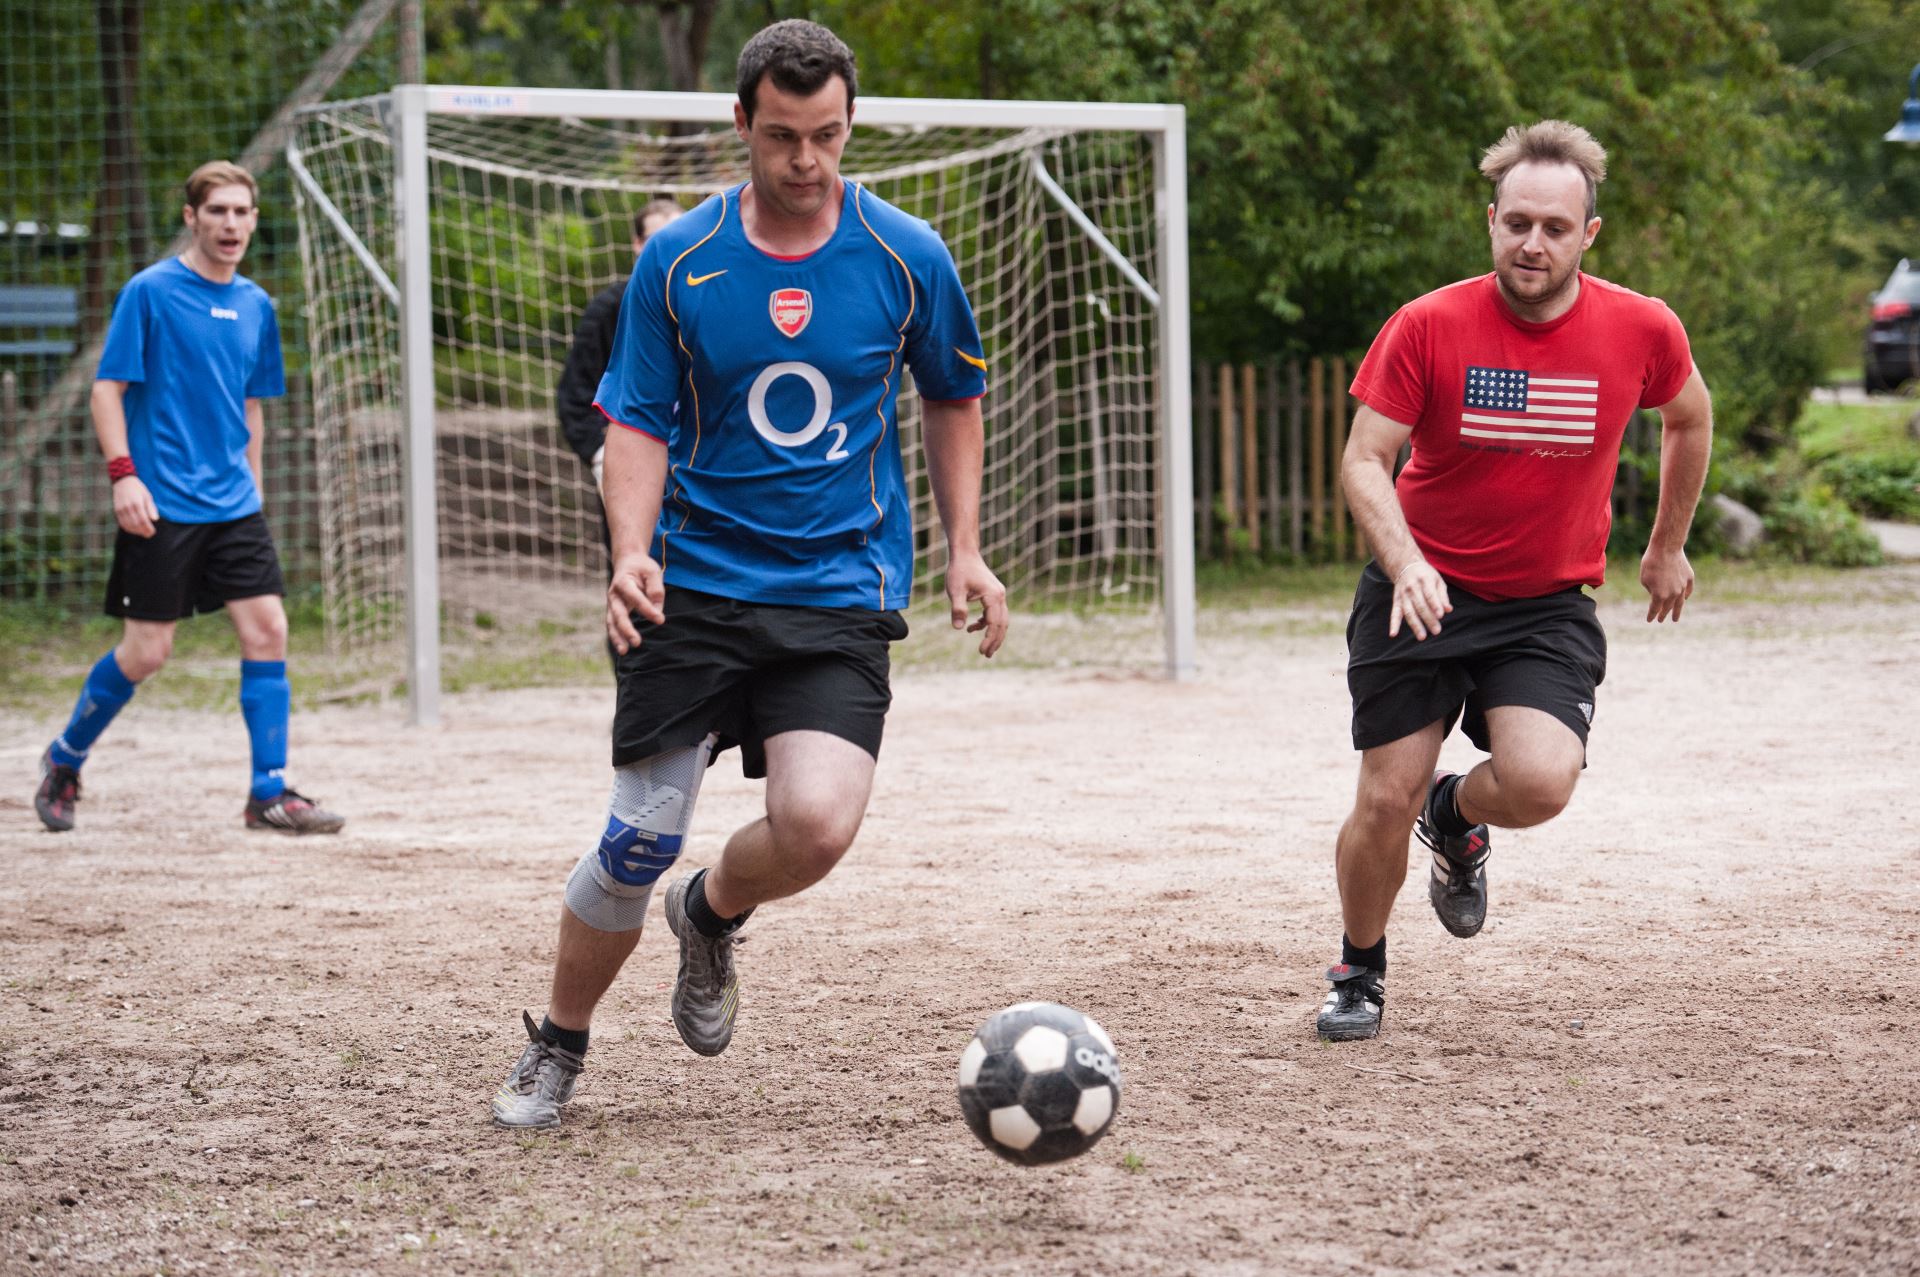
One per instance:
(1886, 487)
(1806, 520)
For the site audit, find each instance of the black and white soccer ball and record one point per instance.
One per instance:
(1039, 1083)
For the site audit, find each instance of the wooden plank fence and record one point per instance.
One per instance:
(1267, 441)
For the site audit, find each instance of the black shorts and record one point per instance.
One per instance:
(750, 671)
(184, 568)
(1547, 653)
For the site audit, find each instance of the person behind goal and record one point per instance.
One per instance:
(762, 540)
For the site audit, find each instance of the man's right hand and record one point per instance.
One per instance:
(133, 506)
(1419, 599)
(638, 586)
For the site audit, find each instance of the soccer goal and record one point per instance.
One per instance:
(450, 238)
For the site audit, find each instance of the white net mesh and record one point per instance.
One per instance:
(530, 217)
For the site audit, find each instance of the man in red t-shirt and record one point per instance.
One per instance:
(1514, 389)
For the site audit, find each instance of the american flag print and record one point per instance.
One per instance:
(1532, 413)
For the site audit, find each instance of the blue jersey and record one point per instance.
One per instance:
(784, 482)
(193, 352)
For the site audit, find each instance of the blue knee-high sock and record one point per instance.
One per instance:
(266, 699)
(101, 697)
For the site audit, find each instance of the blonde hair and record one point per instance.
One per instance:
(1547, 142)
(215, 173)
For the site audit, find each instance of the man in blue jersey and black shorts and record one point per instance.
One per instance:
(192, 350)
(762, 539)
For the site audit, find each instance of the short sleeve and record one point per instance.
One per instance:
(642, 379)
(1392, 380)
(269, 378)
(943, 340)
(125, 355)
(1670, 363)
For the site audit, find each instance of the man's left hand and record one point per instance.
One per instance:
(1668, 578)
(969, 580)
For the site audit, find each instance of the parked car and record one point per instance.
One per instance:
(1893, 335)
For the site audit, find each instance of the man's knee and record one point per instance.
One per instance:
(646, 831)
(262, 634)
(1535, 792)
(813, 836)
(143, 650)
(1386, 803)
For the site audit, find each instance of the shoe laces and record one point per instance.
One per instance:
(1454, 849)
(1351, 992)
(711, 960)
(545, 1067)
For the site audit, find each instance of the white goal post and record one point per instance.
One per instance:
(1084, 267)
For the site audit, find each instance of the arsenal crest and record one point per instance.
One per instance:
(791, 308)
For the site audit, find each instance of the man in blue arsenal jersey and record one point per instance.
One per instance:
(192, 349)
(762, 539)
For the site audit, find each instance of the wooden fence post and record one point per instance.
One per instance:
(1203, 463)
(1229, 462)
(1250, 456)
(1296, 526)
(1317, 452)
(1272, 379)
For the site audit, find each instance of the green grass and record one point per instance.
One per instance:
(1831, 429)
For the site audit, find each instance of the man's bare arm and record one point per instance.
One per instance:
(1686, 448)
(133, 505)
(256, 443)
(956, 442)
(1366, 474)
(636, 481)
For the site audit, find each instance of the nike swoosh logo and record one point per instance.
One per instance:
(694, 281)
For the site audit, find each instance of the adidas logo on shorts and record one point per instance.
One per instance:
(1586, 711)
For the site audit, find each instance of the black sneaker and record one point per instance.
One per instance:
(59, 791)
(291, 813)
(1458, 883)
(1355, 1004)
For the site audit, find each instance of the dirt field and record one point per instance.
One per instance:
(1686, 1042)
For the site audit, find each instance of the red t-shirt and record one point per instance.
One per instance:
(1517, 426)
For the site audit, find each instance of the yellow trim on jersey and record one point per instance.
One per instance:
(981, 364)
(886, 389)
(693, 389)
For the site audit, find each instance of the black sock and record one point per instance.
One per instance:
(1374, 956)
(574, 1040)
(701, 914)
(1446, 808)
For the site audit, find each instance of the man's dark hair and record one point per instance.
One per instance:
(801, 57)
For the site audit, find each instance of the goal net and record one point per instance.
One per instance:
(443, 471)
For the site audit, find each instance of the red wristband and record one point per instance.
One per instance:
(119, 468)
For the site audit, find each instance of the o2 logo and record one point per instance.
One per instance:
(822, 409)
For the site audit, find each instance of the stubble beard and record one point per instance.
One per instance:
(1555, 289)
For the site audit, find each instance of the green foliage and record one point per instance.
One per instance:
(1887, 487)
(1806, 520)
(1332, 149)
(42, 558)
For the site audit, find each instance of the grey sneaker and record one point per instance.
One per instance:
(542, 1080)
(706, 994)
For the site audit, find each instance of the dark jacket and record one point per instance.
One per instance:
(581, 422)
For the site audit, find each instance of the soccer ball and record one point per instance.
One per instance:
(1039, 1083)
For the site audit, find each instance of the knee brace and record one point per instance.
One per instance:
(647, 823)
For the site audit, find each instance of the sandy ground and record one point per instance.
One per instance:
(1686, 1042)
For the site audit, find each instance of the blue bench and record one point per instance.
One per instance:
(38, 319)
